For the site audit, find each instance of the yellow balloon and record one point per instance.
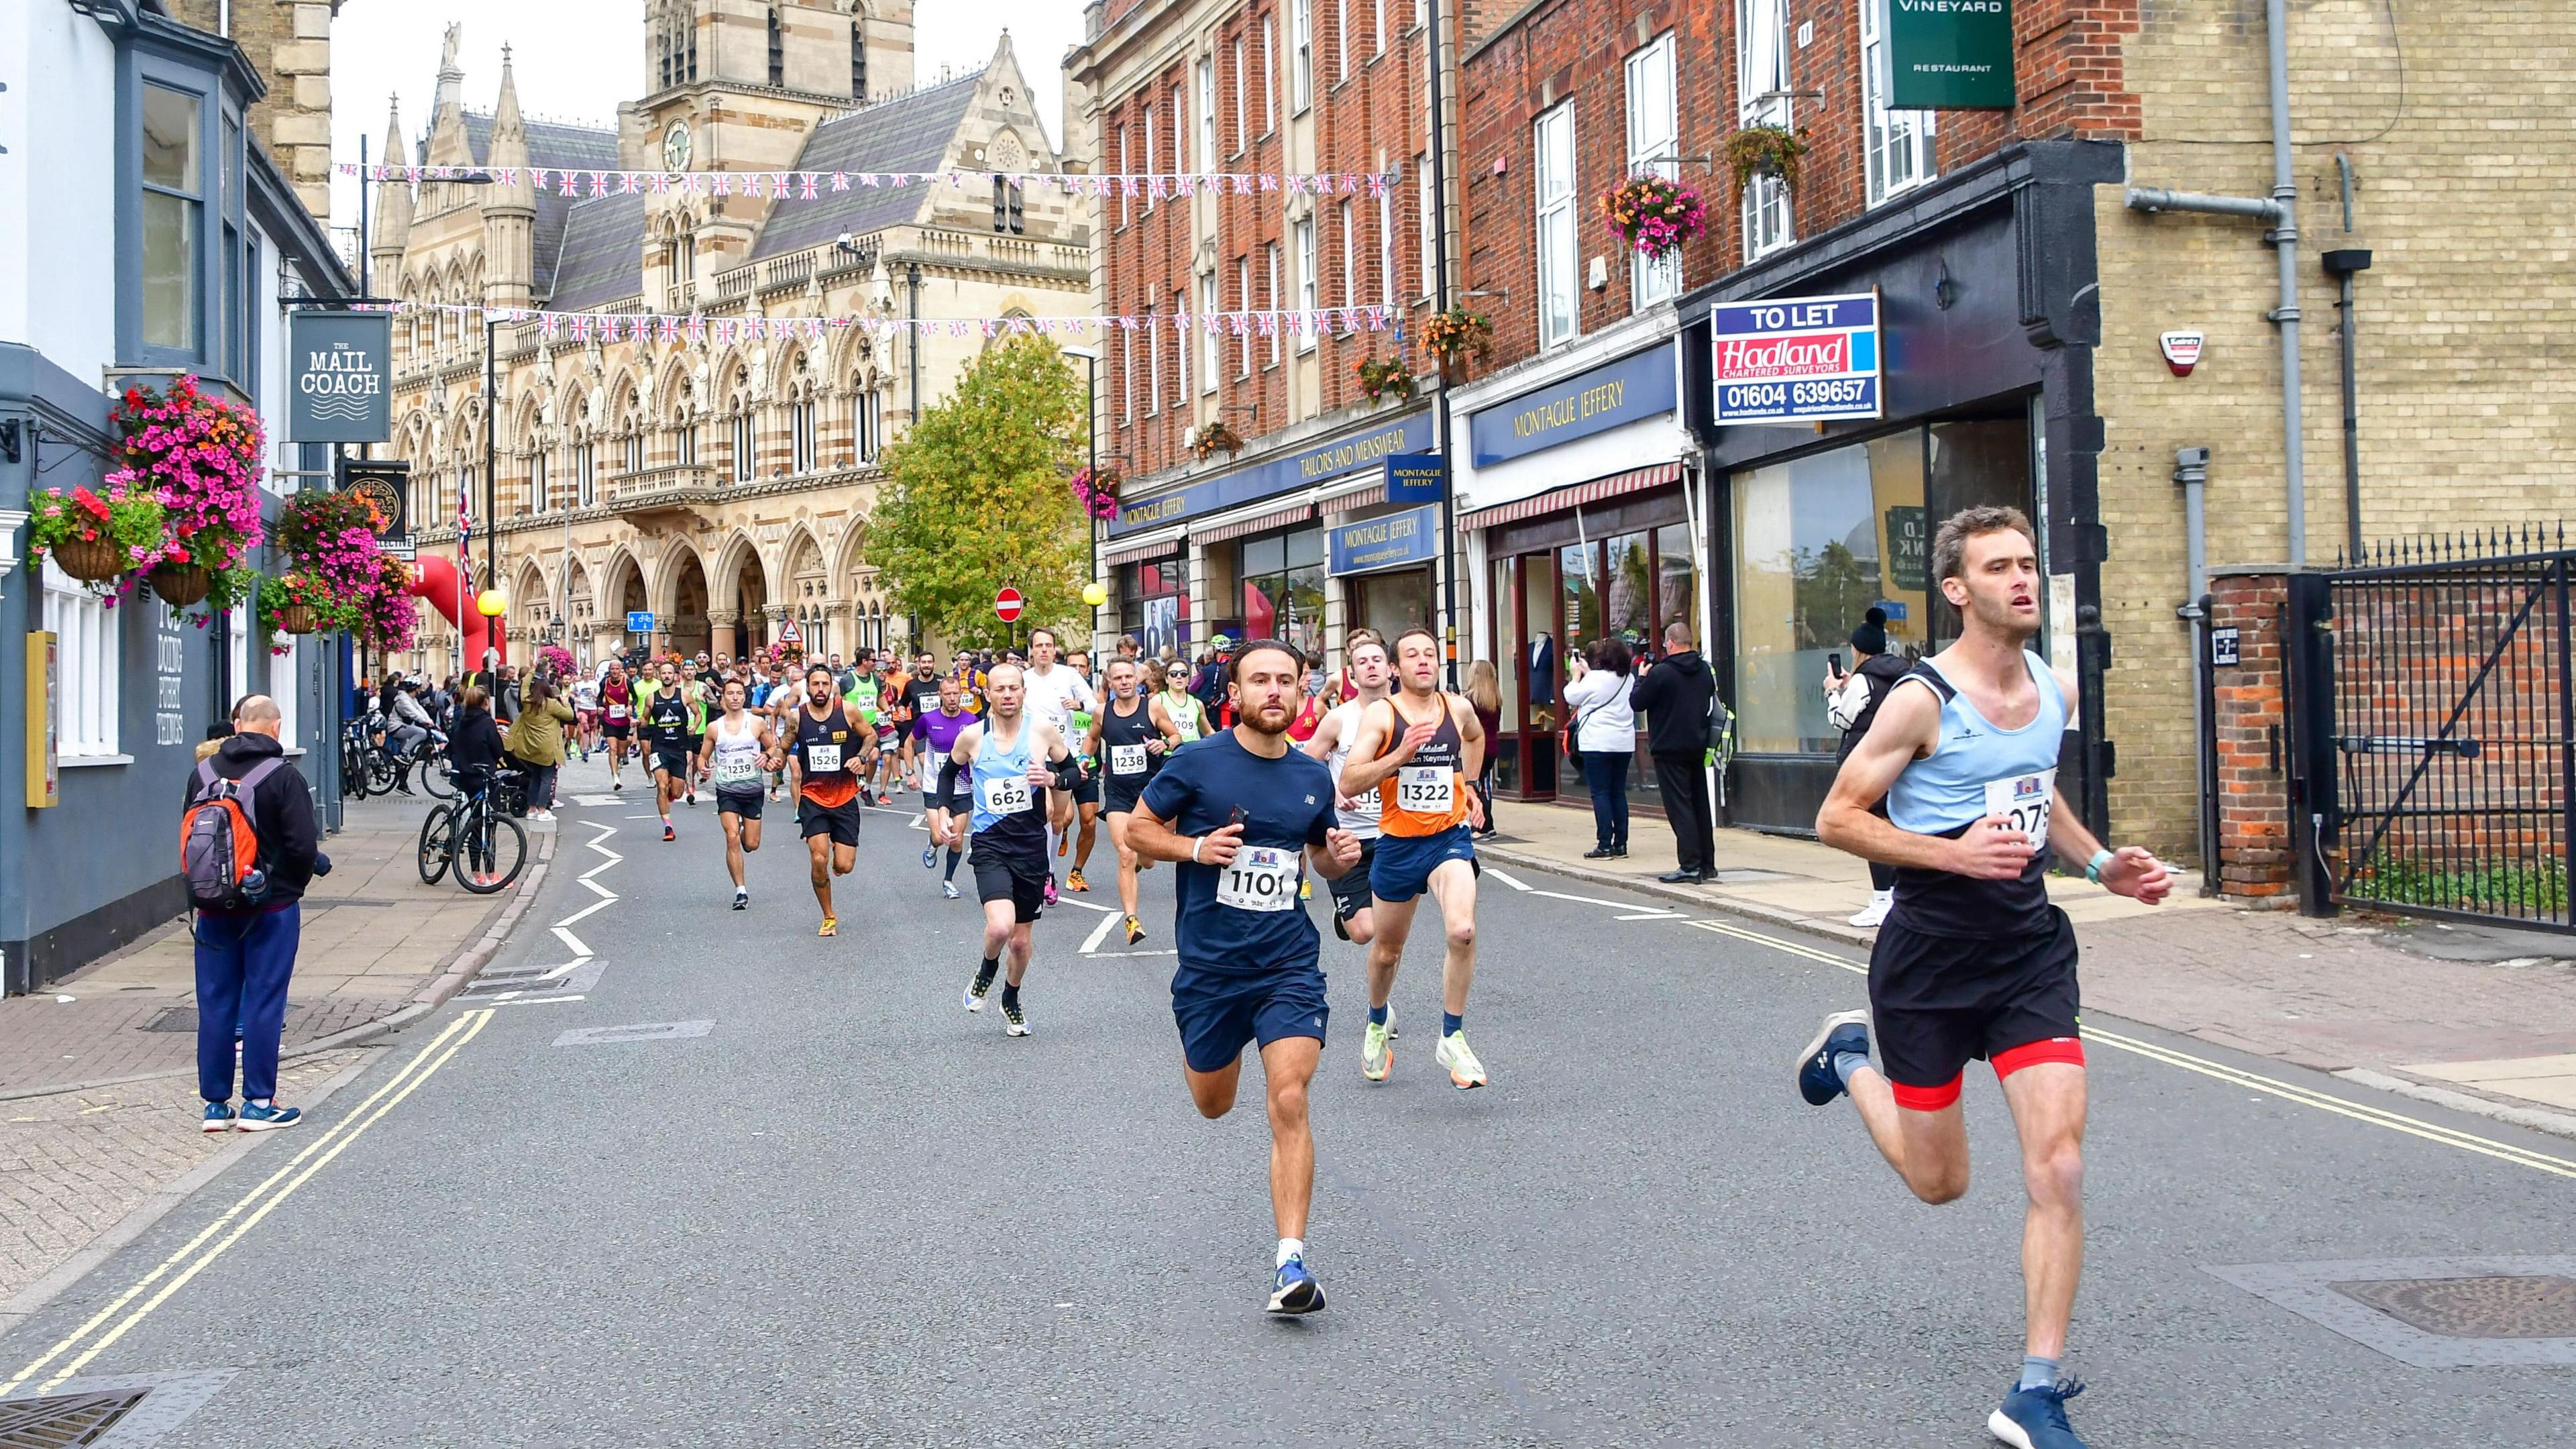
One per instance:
(492, 603)
(1094, 595)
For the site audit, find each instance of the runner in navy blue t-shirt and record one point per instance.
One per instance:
(1243, 814)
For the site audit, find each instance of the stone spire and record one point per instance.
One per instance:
(509, 207)
(391, 214)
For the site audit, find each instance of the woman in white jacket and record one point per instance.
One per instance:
(1605, 731)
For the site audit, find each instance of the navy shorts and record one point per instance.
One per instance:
(1404, 863)
(1351, 889)
(1938, 1002)
(1218, 1011)
(745, 803)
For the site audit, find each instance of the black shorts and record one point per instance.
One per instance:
(841, 822)
(745, 803)
(1118, 793)
(1004, 875)
(956, 802)
(1351, 889)
(618, 729)
(671, 762)
(1087, 790)
(1936, 1002)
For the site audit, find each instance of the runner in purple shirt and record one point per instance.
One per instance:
(934, 733)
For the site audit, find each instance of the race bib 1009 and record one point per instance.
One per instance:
(1259, 878)
(1426, 789)
(2022, 803)
(1126, 759)
(1006, 795)
(822, 759)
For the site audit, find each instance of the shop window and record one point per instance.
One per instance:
(1154, 605)
(1898, 143)
(286, 686)
(1282, 576)
(1557, 243)
(86, 667)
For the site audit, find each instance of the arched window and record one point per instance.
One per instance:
(585, 471)
(744, 459)
(777, 49)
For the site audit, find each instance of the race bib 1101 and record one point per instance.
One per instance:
(1259, 878)
(1006, 795)
(1426, 789)
(2022, 803)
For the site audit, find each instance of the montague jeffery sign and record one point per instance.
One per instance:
(1634, 387)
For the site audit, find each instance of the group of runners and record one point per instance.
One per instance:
(1954, 786)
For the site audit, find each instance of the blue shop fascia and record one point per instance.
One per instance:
(1295, 542)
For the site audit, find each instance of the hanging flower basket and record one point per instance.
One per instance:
(1766, 151)
(90, 560)
(299, 603)
(1455, 336)
(295, 619)
(1097, 491)
(200, 455)
(1653, 216)
(1384, 377)
(181, 585)
(93, 536)
(1216, 438)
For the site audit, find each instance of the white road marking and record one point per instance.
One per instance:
(1067, 900)
(1654, 916)
(1579, 900)
(1105, 955)
(575, 942)
(1506, 877)
(1099, 932)
(532, 1000)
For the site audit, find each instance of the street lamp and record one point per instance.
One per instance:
(1091, 437)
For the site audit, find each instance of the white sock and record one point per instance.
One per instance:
(1290, 1248)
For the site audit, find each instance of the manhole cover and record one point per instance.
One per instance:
(2534, 1305)
(176, 1018)
(63, 1420)
(648, 1031)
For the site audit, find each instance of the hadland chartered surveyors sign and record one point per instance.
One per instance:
(1949, 55)
(341, 364)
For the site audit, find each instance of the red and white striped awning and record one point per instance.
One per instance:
(1556, 499)
(1352, 502)
(1278, 518)
(1139, 553)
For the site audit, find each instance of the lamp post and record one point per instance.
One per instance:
(1091, 440)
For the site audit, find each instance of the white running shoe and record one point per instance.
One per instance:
(741, 897)
(1454, 1055)
(1876, 910)
(1376, 1058)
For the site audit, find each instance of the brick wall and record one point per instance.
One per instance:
(2253, 746)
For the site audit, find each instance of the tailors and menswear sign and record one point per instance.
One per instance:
(340, 361)
(1796, 359)
(1949, 55)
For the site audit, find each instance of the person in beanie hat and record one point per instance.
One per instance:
(1851, 702)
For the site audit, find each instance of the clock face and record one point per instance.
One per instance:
(675, 147)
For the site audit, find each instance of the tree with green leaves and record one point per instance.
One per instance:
(976, 497)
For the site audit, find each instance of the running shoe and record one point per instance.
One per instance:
(978, 989)
(693, 797)
(1844, 1031)
(616, 782)
(930, 857)
(668, 833)
(831, 926)
(1073, 881)
(1453, 1053)
(219, 1116)
(1050, 888)
(1340, 929)
(1294, 1289)
(948, 888)
(2036, 1418)
(1135, 930)
(1014, 1023)
(741, 897)
(1876, 911)
(1376, 1057)
(256, 1118)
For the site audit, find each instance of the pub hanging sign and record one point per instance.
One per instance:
(341, 363)
(1949, 55)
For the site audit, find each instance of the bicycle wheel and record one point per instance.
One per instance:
(493, 850)
(384, 772)
(437, 844)
(353, 772)
(433, 778)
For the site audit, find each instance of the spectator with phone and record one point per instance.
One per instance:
(1851, 701)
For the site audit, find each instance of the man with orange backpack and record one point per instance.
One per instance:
(248, 845)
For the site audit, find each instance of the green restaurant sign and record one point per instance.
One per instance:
(1949, 55)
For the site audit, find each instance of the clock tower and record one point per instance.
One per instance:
(738, 85)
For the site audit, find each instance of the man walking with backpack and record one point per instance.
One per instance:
(248, 846)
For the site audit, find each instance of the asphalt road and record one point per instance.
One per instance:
(851, 1213)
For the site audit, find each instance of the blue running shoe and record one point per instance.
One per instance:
(219, 1116)
(1295, 1290)
(930, 858)
(1844, 1031)
(2036, 1418)
(256, 1118)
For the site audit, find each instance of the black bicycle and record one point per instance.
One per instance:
(474, 833)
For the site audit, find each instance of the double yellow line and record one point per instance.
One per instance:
(2235, 1076)
(246, 1214)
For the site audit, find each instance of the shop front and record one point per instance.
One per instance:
(1581, 526)
(1981, 325)
(1246, 552)
(1382, 562)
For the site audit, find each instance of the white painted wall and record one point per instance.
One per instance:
(58, 186)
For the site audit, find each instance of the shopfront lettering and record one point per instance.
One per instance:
(340, 362)
(1628, 390)
(1379, 543)
(1201, 496)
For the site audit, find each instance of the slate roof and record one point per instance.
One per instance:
(602, 257)
(908, 133)
(551, 144)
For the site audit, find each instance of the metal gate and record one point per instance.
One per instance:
(2431, 701)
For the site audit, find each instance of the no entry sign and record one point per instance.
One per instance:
(1007, 604)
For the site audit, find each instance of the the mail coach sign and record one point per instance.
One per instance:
(341, 365)
(1796, 359)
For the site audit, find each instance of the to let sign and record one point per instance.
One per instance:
(337, 392)
(1796, 359)
(1949, 55)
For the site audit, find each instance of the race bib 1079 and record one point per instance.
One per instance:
(2023, 803)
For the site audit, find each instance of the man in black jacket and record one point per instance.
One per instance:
(1675, 697)
(245, 957)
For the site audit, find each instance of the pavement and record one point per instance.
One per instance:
(98, 1093)
(671, 1174)
(2476, 1018)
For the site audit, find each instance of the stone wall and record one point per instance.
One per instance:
(289, 43)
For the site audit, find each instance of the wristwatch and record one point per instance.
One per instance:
(2093, 867)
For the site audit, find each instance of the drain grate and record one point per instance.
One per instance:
(176, 1018)
(2523, 1305)
(647, 1031)
(63, 1420)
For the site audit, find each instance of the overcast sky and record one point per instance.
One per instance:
(576, 59)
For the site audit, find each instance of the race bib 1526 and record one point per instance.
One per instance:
(822, 759)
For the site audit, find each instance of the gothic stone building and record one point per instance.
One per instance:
(725, 490)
